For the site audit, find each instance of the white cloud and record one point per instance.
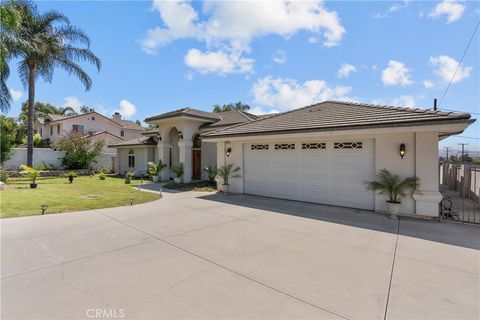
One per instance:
(427, 84)
(16, 94)
(73, 102)
(450, 8)
(345, 70)
(393, 8)
(127, 109)
(287, 94)
(227, 24)
(445, 68)
(406, 101)
(259, 111)
(396, 74)
(280, 57)
(220, 62)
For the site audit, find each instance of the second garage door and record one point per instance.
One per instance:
(328, 172)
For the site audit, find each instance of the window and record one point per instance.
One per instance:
(77, 128)
(58, 129)
(41, 132)
(93, 118)
(285, 146)
(259, 147)
(51, 131)
(197, 141)
(122, 133)
(316, 145)
(131, 158)
(348, 145)
(170, 153)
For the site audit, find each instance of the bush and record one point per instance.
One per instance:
(178, 170)
(80, 152)
(3, 176)
(128, 177)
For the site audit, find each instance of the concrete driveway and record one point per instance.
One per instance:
(199, 255)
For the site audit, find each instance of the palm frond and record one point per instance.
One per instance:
(71, 67)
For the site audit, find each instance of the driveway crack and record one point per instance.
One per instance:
(391, 272)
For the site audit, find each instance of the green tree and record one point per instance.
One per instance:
(10, 21)
(79, 151)
(238, 106)
(85, 109)
(8, 133)
(51, 43)
(42, 109)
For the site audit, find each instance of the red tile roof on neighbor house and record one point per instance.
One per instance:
(338, 115)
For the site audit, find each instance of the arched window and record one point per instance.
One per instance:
(131, 158)
(170, 153)
(197, 141)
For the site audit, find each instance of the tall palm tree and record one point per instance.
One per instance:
(52, 42)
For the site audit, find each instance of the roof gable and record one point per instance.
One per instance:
(186, 112)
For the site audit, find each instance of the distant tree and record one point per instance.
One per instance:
(85, 109)
(138, 122)
(238, 106)
(41, 110)
(79, 151)
(8, 132)
(50, 42)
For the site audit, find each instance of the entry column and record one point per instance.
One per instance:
(164, 156)
(185, 155)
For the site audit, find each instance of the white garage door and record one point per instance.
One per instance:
(328, 172)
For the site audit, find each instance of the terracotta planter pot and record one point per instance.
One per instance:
(224, 188)
(33, 185)
(177, 180)
(393, 208)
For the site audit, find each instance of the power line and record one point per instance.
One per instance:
(459, 63)
(476, 138)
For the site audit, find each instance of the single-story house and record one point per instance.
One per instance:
(322, 153)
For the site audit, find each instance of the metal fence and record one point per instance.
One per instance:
(460, 186)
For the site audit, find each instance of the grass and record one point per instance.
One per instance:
(84, 193)
(193, 186)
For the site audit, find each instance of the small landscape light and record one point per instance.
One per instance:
(402, 150)
(229, 151)
(131, 201)
(43, 207)
(161, 190)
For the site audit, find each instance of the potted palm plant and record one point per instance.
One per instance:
(178, 170)
(128, 177)
(226, 173)
(394, 188)
(102, 174)
(211, 173)
(155, 169)
(31, 173)
(71, 175)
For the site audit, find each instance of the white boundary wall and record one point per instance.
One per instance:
(52, 158)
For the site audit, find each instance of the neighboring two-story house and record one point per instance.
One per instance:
(92, 125)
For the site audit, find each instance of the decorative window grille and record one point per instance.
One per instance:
(348, 145)
(259, 147)
(316, 145)
(285, 146)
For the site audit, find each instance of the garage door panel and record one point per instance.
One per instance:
(329, 176)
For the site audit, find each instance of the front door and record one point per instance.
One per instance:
(197, 164)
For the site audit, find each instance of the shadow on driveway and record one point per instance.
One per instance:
(467, 236)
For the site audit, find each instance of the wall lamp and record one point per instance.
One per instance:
(159, 137)
(229, 151)
(402, 150)
(180, 135)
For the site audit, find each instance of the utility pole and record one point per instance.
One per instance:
(463, 150)
(446, 148)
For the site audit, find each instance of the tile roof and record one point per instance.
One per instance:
(141, 141)
(101, 133)
(229, 118)
(128, 124)
(338, 115)
(186, 112)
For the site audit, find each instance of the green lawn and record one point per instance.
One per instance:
(84, 193)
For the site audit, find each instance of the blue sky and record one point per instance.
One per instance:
(159, 56)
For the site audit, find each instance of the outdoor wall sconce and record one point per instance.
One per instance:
(159, 137)
(402, 150)
(180, 135)
(229, 150)
(43, 207)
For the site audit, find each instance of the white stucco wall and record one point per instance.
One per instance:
(49, 156)
(420, 160)
(142, 154)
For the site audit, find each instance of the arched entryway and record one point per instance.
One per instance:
(196, 157)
